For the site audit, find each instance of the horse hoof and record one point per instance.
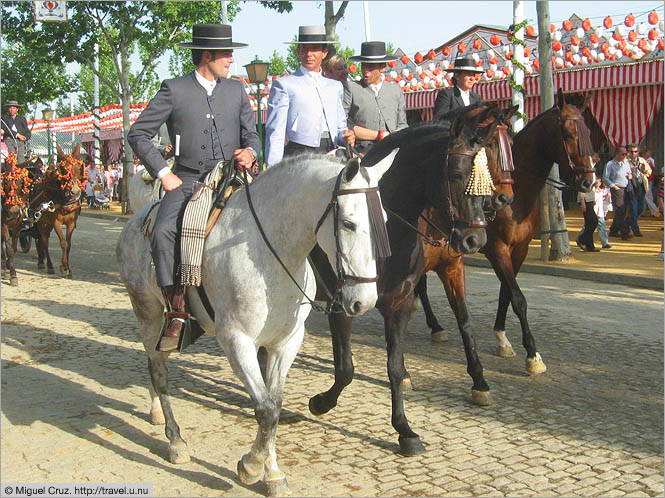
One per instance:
(178, 453)
(317, 405)
(407, 385)
(67, 275)
(439, 336)
(410, 446)
(535, 366)
(50, 271)
(505, 351)
(5, 274)
(245, 476)
(40, 266)
(157, 417)
(278, 487)
(13, 281)
(481, 398)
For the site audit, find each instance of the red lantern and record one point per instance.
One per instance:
(477, 76)
(405, 59)
(607, 22)
(461, 48)
(536, 64)
(621, 45)
(398, 78)
(586, 52)
(604, 47)
(593, 38)
(569, 56)
(431, 54)
(653, 17)
(445, 51)
(642, 45)
(418, 58)
(661, 44)
(586, 25)
(527, 52)
(632, 36)
(530, 30)
(556, 46)
(552, 28)
(494, 60)
(495, 40)
(437, 71)
(477, 44)
(629, 20)
(409, 76)
(479, 63)
(425, 86)
(567, 25)
(575, 40)
(653, 34)
(489, 73)
(353, 68)
(505, 70)
(392, 63)
(617, 36)
(627, 52)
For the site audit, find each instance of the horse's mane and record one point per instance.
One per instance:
(449, 116)
(417, 135)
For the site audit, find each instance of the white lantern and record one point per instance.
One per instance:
(611, 50)
(612, 42)
(405, 72)
(426, 79)
(445, 84)
(621, 29)
(559, 53)
(490, 53)
(393, 74)
(529, 69)
(556, 36)
(575, 48)
(493, 67)
(419, 70)
(594, 45)
(594, 54)
(558, 62)
(601, 57)
(576, 58)
(642, 28)
(569, 64)
(475, 57)
(599, 31)
(445, 65)
(505, 49)
(431, 66)
(579, 32)
(401, 83)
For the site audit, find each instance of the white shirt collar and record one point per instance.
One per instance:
(207, 84)
(465, 96)
(312, 74)
(376, 88)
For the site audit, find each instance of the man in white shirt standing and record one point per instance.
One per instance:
(306, 107)
(460, 94)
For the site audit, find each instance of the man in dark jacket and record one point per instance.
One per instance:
(209, 119)
(460, 94)
(15, 131)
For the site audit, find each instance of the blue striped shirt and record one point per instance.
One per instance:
(616, 173)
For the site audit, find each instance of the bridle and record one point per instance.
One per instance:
(456, 218)
(378, 232)
(577, 120)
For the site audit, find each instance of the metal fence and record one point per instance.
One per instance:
(38, 143)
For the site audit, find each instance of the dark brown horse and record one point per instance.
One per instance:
(432, 169)
(16, 183)
(557, 135)
(63, 185)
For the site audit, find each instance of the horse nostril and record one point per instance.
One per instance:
(471, 242)
(357, 307)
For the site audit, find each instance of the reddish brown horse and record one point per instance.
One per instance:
(63, 185)
(16, 184)
(560, 136)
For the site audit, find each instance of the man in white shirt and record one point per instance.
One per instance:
(306, 107)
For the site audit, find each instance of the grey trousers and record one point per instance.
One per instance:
(165, 243)
(18, 147)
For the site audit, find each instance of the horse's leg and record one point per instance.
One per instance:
(44, 234)
(396, 320)
(437, 332)
(453, 277)
(71, 225)
(10, 269)
(340, 330)
(507, 275)
(505, 348)
(57, 226)
(149, 311)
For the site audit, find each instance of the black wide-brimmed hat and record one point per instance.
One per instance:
(465, 64)
(211, 37)
(312, 35)
(373, 52)
(12, 103)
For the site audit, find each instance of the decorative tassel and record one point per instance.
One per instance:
(480, 182)
(378, 225)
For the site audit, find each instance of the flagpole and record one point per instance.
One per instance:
(368, 32)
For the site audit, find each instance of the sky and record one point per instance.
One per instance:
(410, 25)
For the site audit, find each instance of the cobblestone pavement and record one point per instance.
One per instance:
(75, 399)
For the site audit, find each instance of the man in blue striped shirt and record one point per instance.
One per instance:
(616, 176)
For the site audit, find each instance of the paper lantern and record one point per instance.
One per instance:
(475, 57)
(437, 71)
(593, 55)
(461, 48)
(632, 36)
(661, 44)
(431, 54)
(387, 78)
(598, 32)
(622, 45)
(612, 41)
(569, 56)
(576, 58)
(477, 44)
(575, 40)
(653, 17)
(477, 76)
(575, 48)
(489, 73)
(409, 77)
(579, 32)
(593, 38)
(601, 57)
(392, 63)
(505, 49)
(506, 70)
(445, 51)
(558, 62)
(418, 58)
(621, 29)
(556, 45)
(617, 36)
(493, 67)
(653, 34)
(426, 80)
(641, 29)
(629, 20)
(393, 75)
(431, 66)
(530, 30)
(552, 28)
(586, 52)
(626, 52)
(405, 59)
(419, 70)
(479, 63)
(353, 68)
(586, 24)
(567, 25)
(527, 52)
(536, 64)
(607, 22)
(401, 83)
(398, 78)
(495, 40)
(556, 36)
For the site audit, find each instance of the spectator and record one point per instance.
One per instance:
(652, 193)
(585, 238)
(602, 205)
(15, 131)
(109, 181)
(616, 177)
(334, 67)
(637, 190)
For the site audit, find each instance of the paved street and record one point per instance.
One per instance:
(75, 399)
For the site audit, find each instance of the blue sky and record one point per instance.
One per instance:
(410, 25)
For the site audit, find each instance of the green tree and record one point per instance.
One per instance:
(277, 65)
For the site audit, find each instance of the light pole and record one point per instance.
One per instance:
(257, 71)
(48, 116)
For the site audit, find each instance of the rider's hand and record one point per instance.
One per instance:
(20, 137)
(349, 137)
(170, 181)
(244, 157)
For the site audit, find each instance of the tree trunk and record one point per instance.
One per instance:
(332, 17)
(546, 101)
(127, 154)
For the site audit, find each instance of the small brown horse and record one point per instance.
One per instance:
(560, 136)
(63, 185)
(16, 183)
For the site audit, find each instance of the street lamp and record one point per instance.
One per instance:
(257, 71)
(48, 116)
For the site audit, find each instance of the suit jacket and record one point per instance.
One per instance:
(21, 127)
(450, 99)
(295, 111)
(386, 112)
(190, 116)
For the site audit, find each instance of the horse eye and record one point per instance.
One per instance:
(349, 225)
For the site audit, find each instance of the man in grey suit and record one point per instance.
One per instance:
(306, 107)
(15, 131)
(460, 94)
(375, 107)
(209, 119)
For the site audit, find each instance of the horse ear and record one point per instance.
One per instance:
(75, 152)
(351, 169)
(560, 100)
(509, 113)
(384, 164)
(61, 153)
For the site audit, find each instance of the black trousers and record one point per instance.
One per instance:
(590, 224)
(619, 225)
(295, 149)
(165, 242)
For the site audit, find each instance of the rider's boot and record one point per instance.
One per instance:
(175, 314)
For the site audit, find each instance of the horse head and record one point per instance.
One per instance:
(353, 235)
(575, 148)
(65, 180)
